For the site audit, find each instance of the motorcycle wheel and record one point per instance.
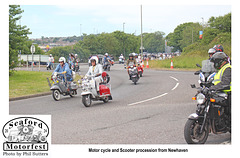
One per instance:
(105, 100)
(56, 94)
(86, 100)
(191, 132)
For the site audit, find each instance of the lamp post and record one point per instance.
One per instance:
(123, 40)
(141, 35)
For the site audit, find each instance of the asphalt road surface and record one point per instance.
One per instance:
(152, 112)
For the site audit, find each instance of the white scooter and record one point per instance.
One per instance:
(89, 91)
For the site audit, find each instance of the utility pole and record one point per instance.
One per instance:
(141, 35)
(123, 40)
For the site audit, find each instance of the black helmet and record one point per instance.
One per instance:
(218, 48)
(218, 58)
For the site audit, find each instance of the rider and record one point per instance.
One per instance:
(106, 58)
(219, 48)
(96, 70)
(222, 80)
(63, 67)
(51, 60)
(130, 61)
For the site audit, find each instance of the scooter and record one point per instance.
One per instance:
(61, 86)
(106, 66)
(140, 70)
(89, 91)
(133, 72)
(121, 61)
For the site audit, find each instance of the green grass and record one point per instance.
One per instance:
(180, 62)
(23, 83)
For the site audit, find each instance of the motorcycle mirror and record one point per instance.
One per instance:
(198, 65)
(196, 73)
(193, 85)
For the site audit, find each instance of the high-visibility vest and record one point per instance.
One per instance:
(218, 77)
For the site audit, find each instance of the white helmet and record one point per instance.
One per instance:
(50, 55)
(94, 58)
(62, 59)
(106, 54)
(76, 55)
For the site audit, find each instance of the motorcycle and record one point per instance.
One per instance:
(133, 72)
(75, 67)
(140, 70)
(121, 61)
(89, 91)
(106, 66)
(61, 86)
(206, 74)
(213, 113)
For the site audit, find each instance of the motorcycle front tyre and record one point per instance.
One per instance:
(86, 100)
(189, 128)
(56, 94)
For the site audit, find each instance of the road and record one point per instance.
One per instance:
(152, 112)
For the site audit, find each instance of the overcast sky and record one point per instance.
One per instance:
(70, 20)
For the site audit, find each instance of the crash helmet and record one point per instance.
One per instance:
(62, 59)
(94, 58)
(218, 48)
(211, 51)
(106, 54)
(50, 55)
(218, 58)
(131, 55)
(76, 55)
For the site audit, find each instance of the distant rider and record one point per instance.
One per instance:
(51, 60)
(63, 67)
(130, 61)
(95, 70)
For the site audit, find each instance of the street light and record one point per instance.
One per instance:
(123, 40)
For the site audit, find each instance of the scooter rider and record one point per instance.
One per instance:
(96, 70)
(64, 68)
(130, 61)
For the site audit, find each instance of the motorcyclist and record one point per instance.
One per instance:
(106, 58)
(222, 80)
(219, 48)
(63, 67)
(96, 70)
(130, 61)
(211, 51)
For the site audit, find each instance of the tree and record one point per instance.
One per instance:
(222, 23)
(17, 35)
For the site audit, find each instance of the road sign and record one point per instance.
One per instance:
(32, 49)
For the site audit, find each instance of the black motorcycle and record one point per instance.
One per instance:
(213, 113)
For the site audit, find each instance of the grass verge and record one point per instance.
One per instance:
(23, 83)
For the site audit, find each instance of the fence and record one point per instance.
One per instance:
(37, 59)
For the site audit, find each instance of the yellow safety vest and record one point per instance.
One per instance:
(218, 77)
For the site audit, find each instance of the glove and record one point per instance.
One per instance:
(64, 72)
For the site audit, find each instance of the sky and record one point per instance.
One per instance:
(70, 20)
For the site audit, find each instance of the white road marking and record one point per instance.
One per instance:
(148, 99)
(175, 86)
(174, 78)
(159, 95)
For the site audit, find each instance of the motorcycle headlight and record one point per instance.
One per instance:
(200, 98)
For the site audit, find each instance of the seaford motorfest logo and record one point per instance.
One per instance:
(25, 134)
